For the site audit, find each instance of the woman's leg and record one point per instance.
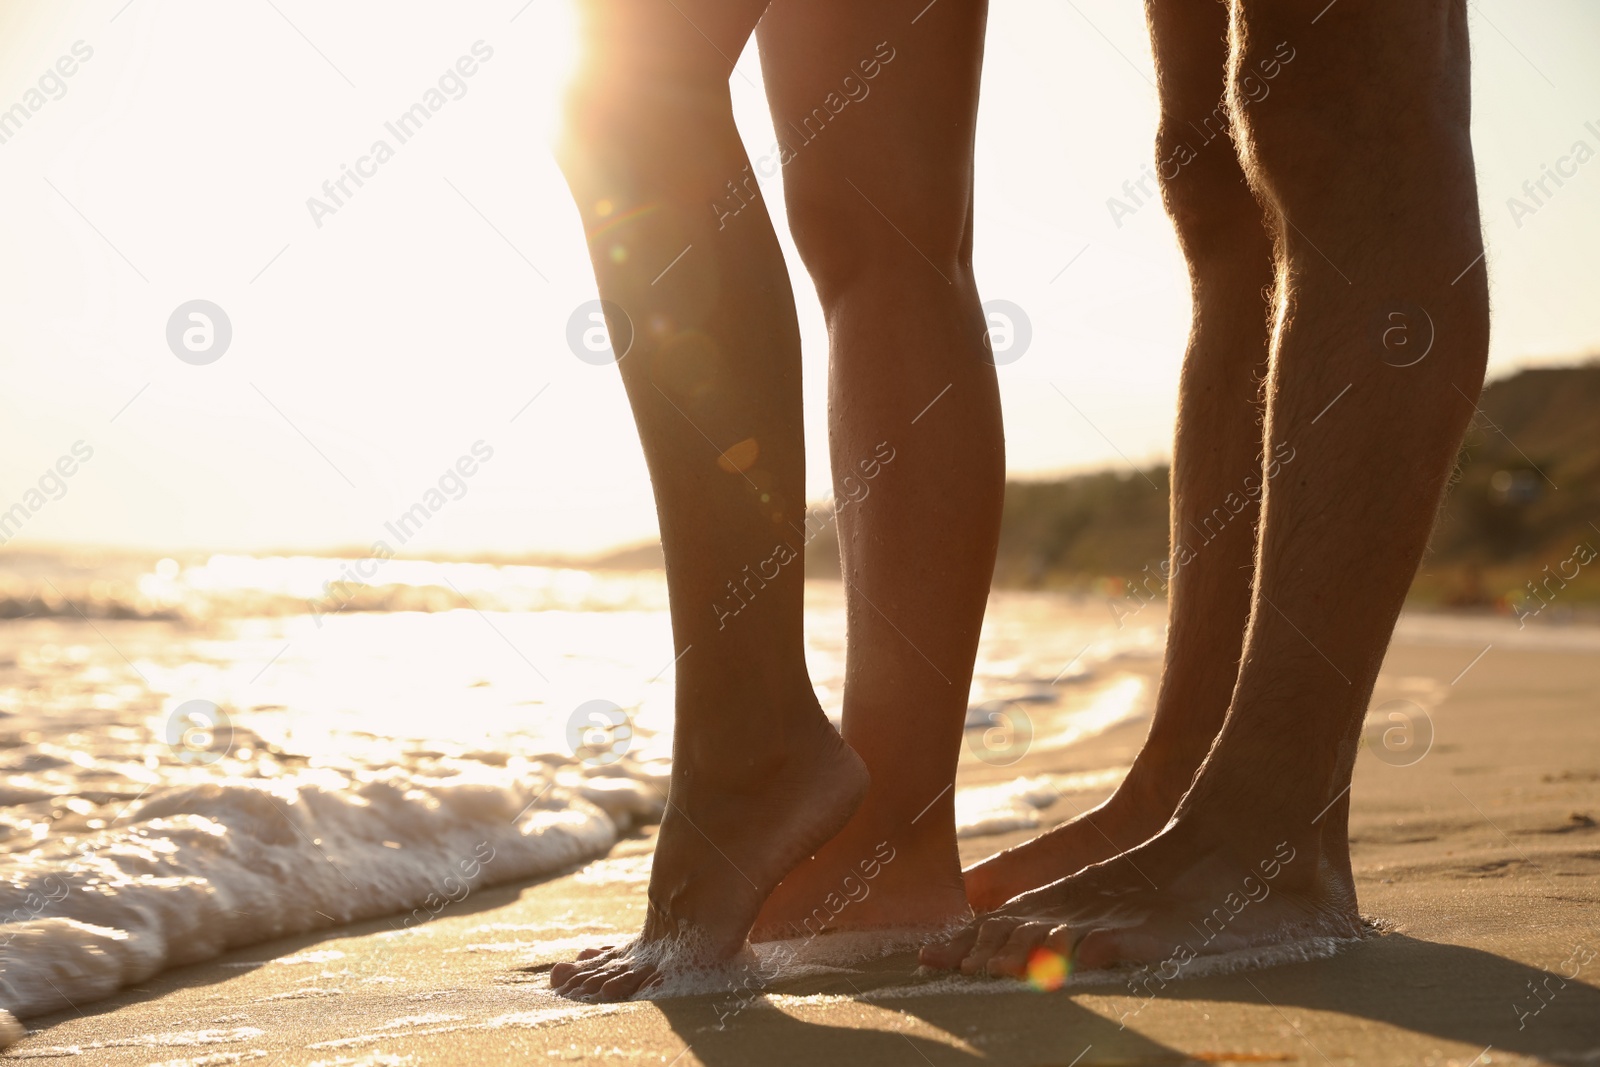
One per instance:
(875, 106)
(1217, 473)
(760, 779)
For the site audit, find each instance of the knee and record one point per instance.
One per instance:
(1214, 211)
(847, 240)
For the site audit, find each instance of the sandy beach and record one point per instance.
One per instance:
(1479, 860)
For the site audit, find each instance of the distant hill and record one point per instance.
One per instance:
(1521, 514)
(1526, 496)
(1068, 532)
(637, 558)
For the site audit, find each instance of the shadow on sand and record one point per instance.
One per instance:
(876, 1014)
(1445, 992)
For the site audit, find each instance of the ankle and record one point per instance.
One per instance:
(1180, 739)
(1256, 829)
(1154, 787)
(724, 774)
(768, 738)
(1290, 789)
(921, 834)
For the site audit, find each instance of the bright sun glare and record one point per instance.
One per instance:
(555, 51)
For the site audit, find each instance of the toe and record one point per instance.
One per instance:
(572, 981)
(992, 934)
(1100, 948)
(947, 955)
(1011, 959)
(627, 984)
(589, 988)
(569, 983)
(1111, 947)
(564, 973)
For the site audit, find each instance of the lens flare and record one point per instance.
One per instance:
(1047, 969)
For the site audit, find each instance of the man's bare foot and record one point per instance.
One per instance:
(880, 872)
(1132, 815)
(1192, 890)
(729, 835)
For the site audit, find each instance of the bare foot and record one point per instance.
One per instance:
(728, 837)
(1134, 813)
(879, 873)
(1190, 891)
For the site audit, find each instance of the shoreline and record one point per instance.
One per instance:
(1479, 858)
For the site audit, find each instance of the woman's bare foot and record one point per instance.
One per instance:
(1132, 815)
(1195, 889)
(891, 869)
(729, 835)
(880, 872)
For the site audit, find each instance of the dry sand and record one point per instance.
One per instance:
(1483, 858)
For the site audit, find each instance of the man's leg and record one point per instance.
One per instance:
(760, 778)
(1363, 151)
(1216, 464)
(878, 112)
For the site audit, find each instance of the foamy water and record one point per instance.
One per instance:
(206, 753)
(759, 967)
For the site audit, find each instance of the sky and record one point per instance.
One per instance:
(422, 322)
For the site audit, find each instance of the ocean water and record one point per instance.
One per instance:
(198, 754)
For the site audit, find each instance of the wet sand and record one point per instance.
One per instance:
(1482, 860)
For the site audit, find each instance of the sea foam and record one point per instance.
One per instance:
(189, 873)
